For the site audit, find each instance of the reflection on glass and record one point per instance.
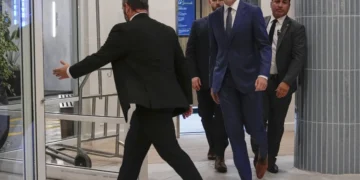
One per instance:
(54, 19)
(11, 122)
(74, 144)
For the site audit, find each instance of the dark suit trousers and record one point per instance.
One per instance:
(275, 110)
(242, 110)
(213, 123)
(154, 127)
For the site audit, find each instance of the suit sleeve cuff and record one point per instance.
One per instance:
(263, 77)
(194, 75)
(286, 80)
(68, 72)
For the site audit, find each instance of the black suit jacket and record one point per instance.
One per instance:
(290, 52)
(148, 64)
(197, 51)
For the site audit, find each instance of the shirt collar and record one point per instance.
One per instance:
(136, 15)
(233, 7)
(280, 20)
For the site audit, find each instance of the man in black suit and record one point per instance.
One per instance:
(197, 52)
(150, 71)
(288, 40)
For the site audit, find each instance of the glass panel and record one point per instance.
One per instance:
(59, 42)
(85, 128)
(14, 26)
(85, 131)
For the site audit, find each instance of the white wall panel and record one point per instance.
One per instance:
(164, 11)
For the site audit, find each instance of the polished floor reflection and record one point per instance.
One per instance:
(164, 172)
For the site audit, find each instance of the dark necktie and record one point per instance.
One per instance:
(272, 29)
(228, 25)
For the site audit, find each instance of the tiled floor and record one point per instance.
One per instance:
(287, 172)
(196, 146)
(193, 141)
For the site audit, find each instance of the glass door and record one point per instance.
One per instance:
(84, 129)
(19, 103)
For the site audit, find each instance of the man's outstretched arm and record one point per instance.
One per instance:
(115, 48)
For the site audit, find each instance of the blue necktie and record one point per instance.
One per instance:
(228, 25)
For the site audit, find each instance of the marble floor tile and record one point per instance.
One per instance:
(206, 168)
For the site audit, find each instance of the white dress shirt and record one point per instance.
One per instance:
(277, 31)
(68, 69)
(234, 8)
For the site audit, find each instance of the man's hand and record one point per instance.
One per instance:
(196, 83)
(61, 72)
(282, 90)
(260, 84)
(215, 97)
(188, 113)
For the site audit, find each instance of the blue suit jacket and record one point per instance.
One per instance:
(246, 52)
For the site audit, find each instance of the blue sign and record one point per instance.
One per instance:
(185, 16)
(20, 12)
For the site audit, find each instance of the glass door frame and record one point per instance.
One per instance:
(33, 94)
(32, 166)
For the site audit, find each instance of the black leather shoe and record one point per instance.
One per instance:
(211, 156)
(273, 168)
(220, 165)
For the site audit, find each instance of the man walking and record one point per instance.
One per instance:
(145, 56)
(240, 57)
(197, 51)
(288, 41)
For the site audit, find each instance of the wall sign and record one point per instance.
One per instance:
(186, 14)
(20, 12)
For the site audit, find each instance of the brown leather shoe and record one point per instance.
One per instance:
(220, 165)
(261, 167)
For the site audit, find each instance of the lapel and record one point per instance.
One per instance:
(267, 20)
(220, 21)
(283, 31)
(240, 13)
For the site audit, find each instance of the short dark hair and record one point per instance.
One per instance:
(137, 4)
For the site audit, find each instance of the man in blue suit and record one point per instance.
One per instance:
(197, 51)
(240, 58)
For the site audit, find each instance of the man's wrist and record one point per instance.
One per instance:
(285, 83)
(194, 75)
(68, 72)
(262, 76)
